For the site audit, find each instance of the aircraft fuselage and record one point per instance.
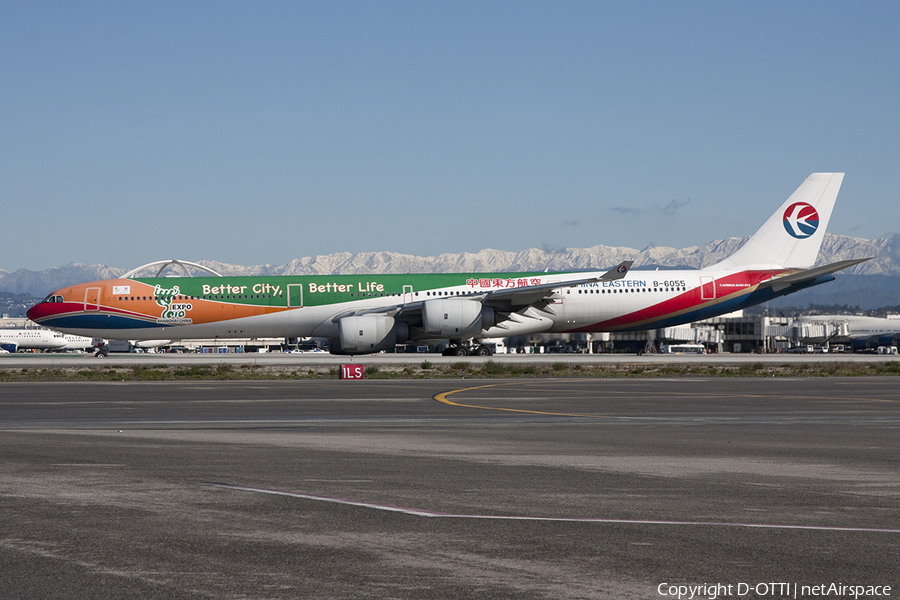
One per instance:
(302, 306)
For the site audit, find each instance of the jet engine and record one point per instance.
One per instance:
(367, 334)
(456, 318)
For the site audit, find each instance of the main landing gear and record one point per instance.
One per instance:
(467, 349)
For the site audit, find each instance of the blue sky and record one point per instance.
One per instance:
(258, 132)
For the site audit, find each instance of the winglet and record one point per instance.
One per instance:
(617, 272)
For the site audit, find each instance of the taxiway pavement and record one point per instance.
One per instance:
(446, 488)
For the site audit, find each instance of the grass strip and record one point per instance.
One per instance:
(426, 370)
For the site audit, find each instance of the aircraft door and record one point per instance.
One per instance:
(295, 295)
(407, 293)
(707, 288)
(92, 298)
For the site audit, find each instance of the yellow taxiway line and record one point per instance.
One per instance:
(442, 398)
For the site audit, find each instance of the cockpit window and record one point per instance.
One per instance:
(52, 298)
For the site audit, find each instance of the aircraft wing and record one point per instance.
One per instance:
(526, 295)
(810, 276)
(500, 299)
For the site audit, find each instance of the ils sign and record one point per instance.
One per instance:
(352, 372)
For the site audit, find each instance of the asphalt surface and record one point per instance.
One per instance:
(448, 488)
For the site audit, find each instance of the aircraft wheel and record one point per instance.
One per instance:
(461, 351)
(484, 351)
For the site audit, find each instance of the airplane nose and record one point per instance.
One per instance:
(38, 310)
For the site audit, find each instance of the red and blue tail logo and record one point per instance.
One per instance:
(801, 220)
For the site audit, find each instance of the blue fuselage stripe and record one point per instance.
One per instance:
(98, 321)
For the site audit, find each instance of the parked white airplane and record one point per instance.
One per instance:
(370, 313)
(78, 342)
(13, 340)
(861, 332)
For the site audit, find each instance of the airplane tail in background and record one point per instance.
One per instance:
(791, 238)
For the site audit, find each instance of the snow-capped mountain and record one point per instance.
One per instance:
(886, 263)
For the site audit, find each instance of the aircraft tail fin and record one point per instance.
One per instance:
(791, 238)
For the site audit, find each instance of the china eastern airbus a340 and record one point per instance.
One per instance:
(370, 313)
